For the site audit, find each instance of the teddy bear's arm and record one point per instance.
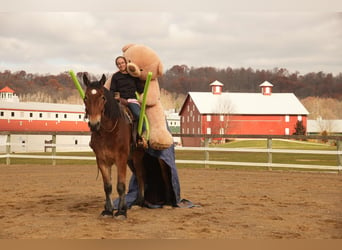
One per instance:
(153, 93)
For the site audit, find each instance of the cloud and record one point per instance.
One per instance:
(53, 42)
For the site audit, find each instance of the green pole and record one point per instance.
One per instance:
(143, 104)
(77, 84)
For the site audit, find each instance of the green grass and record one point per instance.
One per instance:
(283, 158)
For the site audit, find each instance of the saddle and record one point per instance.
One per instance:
(137, 140)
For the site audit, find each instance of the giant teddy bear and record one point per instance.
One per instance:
(141, 60)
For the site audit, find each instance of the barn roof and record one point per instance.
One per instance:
(39, 106)
(247, 103)
(6, 90)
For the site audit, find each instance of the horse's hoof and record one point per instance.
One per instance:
(106, 214)
(119, 215)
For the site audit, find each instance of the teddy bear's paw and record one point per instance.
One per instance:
(159, 146)
(142, 142)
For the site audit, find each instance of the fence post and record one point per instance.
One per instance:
(269, 153)
(54, 150)
(206, 153)
(8, 149)
(339, 155)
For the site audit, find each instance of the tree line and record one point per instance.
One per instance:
(321, 93)
(182, 79)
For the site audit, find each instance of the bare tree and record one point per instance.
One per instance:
(223, 110)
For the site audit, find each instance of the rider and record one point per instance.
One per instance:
(124, 87)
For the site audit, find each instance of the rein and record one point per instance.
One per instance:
(112, 129)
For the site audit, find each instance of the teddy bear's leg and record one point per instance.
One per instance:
(160, 138)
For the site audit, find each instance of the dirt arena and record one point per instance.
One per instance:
(64, 202)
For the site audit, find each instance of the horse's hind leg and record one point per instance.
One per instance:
(166, 175)
(107, 185)
(140, 174)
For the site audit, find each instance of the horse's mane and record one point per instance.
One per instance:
(112, 107)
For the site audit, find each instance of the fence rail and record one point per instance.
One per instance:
(206, 149)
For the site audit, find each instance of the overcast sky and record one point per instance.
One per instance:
(48, 39)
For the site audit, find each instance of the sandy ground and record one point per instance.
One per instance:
(64, 202)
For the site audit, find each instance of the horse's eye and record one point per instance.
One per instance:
(103, 98)
(141, 70)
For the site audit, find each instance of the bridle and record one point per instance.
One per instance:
(101, 121)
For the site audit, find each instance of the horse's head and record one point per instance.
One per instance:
(94, 101)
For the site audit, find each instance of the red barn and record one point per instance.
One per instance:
(218, 112)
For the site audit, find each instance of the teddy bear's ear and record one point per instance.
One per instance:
(160, 69)
(124, 48)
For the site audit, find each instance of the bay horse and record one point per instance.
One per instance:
(112, 143)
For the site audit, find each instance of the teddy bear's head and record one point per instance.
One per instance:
(141, 60)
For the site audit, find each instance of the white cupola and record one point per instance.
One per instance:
(7, 95)
(266, 88)
(216, 88)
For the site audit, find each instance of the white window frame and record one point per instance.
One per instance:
(287, 118)
(287, 131)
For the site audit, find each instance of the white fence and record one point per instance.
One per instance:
(9, 154)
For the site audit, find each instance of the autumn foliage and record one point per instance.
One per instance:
(321, 93)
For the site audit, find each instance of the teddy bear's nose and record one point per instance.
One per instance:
(131, 68)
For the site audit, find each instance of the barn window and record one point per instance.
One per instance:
(12, 114)
(208, 118)
(287, 118)
(221, 131)
(221, 118)
(208, 131)
(198, 130)
(299, 118)
(2, 113)
(287, 131)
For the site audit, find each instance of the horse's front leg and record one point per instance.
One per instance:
(121, 165)
(107, 185)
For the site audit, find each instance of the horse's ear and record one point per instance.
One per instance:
(103, 79)
(85, 79)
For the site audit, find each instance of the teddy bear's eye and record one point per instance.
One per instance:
(141, 70)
